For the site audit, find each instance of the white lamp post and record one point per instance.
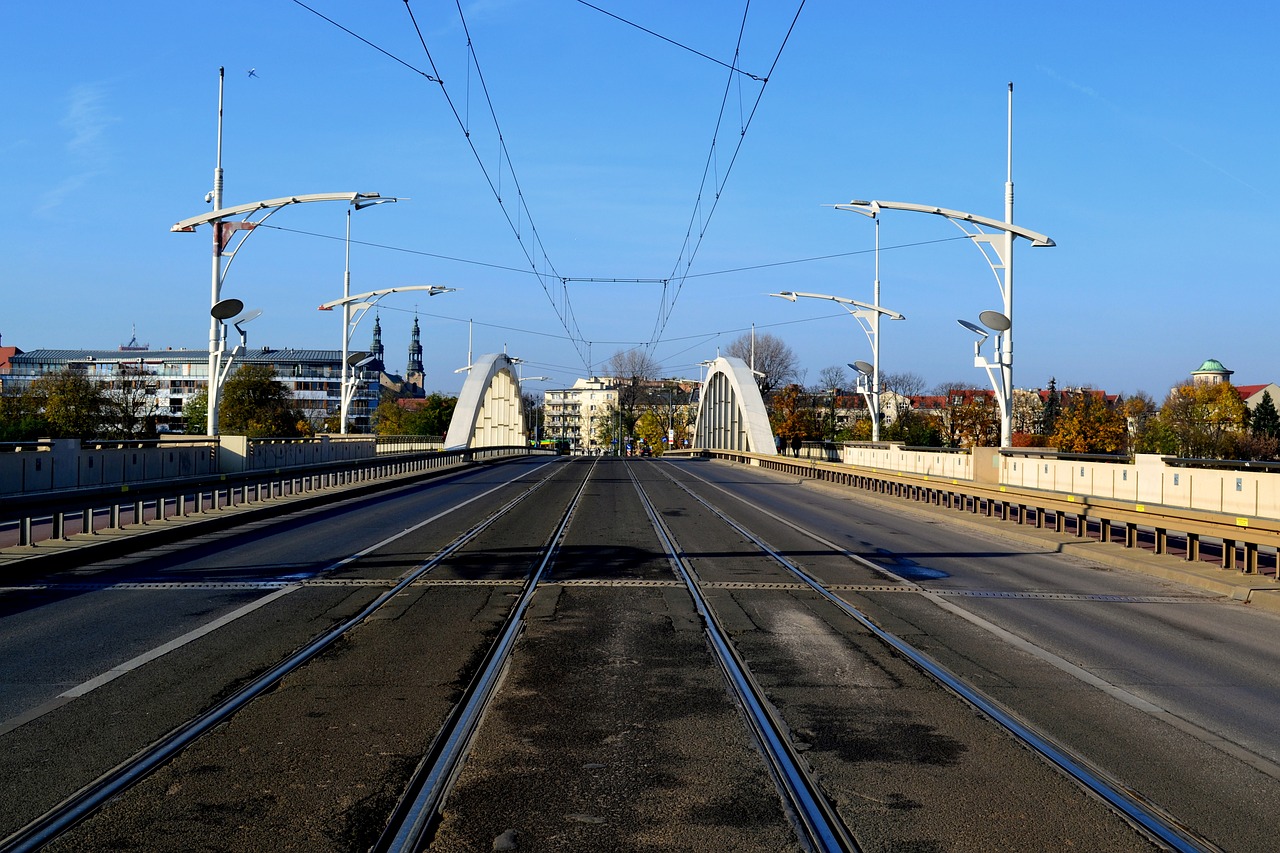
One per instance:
(997, 248)
(353, 310)
(1001, 325)
(868, 317)
(223, 232)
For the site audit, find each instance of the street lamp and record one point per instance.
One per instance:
(868, 317)
(997, 249)
(360, 304)
(1001, 325)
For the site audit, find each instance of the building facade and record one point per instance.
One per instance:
(574, 414)
(167, 379)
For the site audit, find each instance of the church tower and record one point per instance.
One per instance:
(415, 373)
(375, 349)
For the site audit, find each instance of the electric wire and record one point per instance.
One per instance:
(668, 307)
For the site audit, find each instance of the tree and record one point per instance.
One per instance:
(255, 404)
(1139, 410)
(1052, 408)
(195, 412)
(773, 358)
(70, 404)
(632, 371)
(1200, 420)
(790, 416)
(130, 406)
(830, 381)
(21, 418)
(1089, 425)
(1265, 421)
(976, 422)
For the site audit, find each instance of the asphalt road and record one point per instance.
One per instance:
(613, 729)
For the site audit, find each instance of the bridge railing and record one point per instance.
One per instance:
(50, 514)
(1241, 541)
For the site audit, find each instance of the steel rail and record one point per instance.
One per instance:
(88, 799)
(1146, 817)
(817, 821)
(415, 817)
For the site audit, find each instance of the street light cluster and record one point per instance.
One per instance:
(221, 310)
(996, 246)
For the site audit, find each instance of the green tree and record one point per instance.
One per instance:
(255, 404)
(195, 412)
(651, 429)
(1089, 425)
(70, 404)
(1051, 409)
(430, 416)
(1201, 420)
(21, 418)
(1266, 420)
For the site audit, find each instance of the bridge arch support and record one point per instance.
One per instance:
(489, 412)
(731, 414)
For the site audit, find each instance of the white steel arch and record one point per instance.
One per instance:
(731, 414)
(489, 411)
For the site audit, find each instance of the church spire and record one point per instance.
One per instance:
(415, 352)
(375, 349)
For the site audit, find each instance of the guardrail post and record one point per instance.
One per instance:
(24, 531)
(1162, 541)
(1130, 535)
(1193, 546)
(86, 520)
(114, 523)
(1228, 553)
(59, 526)
(1082, 526)
(139, 512)
(1250, 558)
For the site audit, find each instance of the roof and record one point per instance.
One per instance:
(179, 355)
(1212, 365)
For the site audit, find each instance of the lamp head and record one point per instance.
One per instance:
(225, 309)
(995, 321)
(788, 295)
(975, 328)
(863, 367)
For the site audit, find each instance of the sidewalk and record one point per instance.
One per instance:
(1258, 591)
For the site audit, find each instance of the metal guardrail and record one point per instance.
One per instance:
(208, 494)
(1117, 521)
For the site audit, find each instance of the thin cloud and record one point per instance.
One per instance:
(88, 152)
(1129, 117)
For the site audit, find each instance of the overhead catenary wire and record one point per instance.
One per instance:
(535, 252)
(692, 243)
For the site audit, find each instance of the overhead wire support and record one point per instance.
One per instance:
(669, 304)
(534, 246)
(675, 43)
(356, 35)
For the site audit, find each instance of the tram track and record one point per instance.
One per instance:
(602, 658)
(418, 812)
(76, 808)
(1158, 826)
(816, 820)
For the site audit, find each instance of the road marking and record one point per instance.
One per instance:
(142, 659)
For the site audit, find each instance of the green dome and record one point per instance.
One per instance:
(1212, 365)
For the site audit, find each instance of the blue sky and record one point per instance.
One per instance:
(1144, 145)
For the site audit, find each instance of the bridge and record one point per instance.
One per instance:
(491, 647)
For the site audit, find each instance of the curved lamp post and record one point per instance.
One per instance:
(360, 304)
(868, 317)
(996, 246)
(223, 233)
